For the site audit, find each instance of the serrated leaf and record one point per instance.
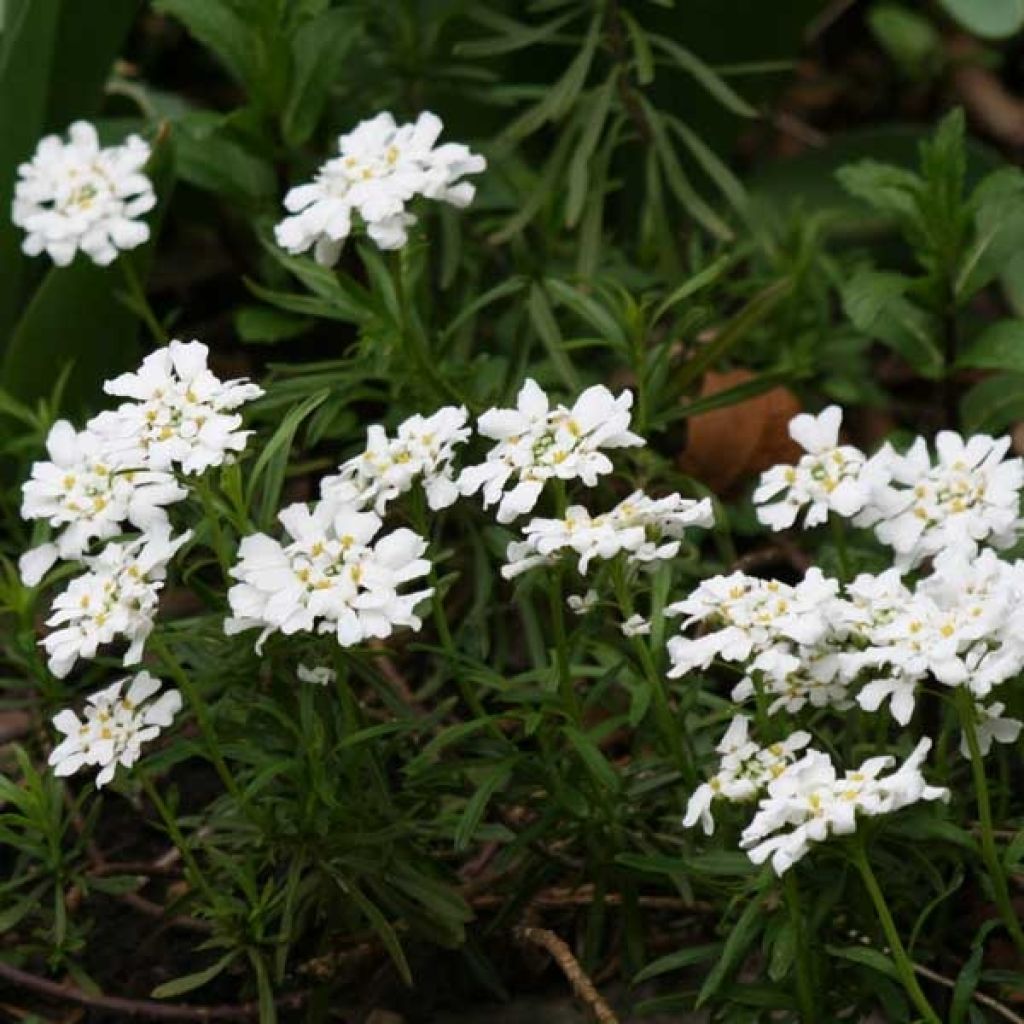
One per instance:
(876, 303)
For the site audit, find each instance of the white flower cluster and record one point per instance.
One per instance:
(969, 494)
(114, 727)
(802, 801)
(380, 168)
(76, 195)
(332, 576)
(423, 448)
(809, 802)
(537, 443)
(119, 473)
(744, 770)
(646, 529)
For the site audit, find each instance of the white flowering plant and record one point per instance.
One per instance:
(450, 513)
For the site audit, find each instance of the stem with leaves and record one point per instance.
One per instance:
(989, 853)
(804, 977)
(137, 301)
(904, 965)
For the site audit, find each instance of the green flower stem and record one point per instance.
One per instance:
(839, 539)
(415, 341)
(904, 966)
(804, 977)
(202, 712)
(989, 853)
(673, 735)
(140, 303)
(563, 669)
(211, 516)
(171, 824)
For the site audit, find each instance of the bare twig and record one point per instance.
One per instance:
(979, 997)
(147, 1008)
(581, 984)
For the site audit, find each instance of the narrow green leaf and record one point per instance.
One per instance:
(740, 939)
(471, 817)
(189, 982)
(713, 83)
(319, 50)
(543, 320)
(675, 961)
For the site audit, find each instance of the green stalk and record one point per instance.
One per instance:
(804, 977)
(673, 736)
(989, 853)
(211, 516)
(565, 682)
(140, 303)
(174, 832)
(904, 965)
(839, 539)
(202, 712)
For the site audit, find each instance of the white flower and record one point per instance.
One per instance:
(580, 605)
(646, 529)
(808, 802)
(635, 625)
(743, 771)
(537, 443)
(89, 492)
(320, 675)
(423, 448)
(379, 169)
(180, 415)
(969, 496)
(750, 615)
(74, 195)
(117, 597)
(961, 626)
(991, 727)
(114, 727)
(830, 478)
(796, 677)
(331, 577)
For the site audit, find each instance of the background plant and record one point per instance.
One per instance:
(408, 824)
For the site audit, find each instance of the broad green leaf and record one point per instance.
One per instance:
(885, 187)
(189, 982)
(911, 39)
(210, 160)
(993, 404)
(990, 19)
(877, 304)
(319, 49)
(219, 27)
(998, 347)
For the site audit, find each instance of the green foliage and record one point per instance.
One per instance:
(383, 836)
